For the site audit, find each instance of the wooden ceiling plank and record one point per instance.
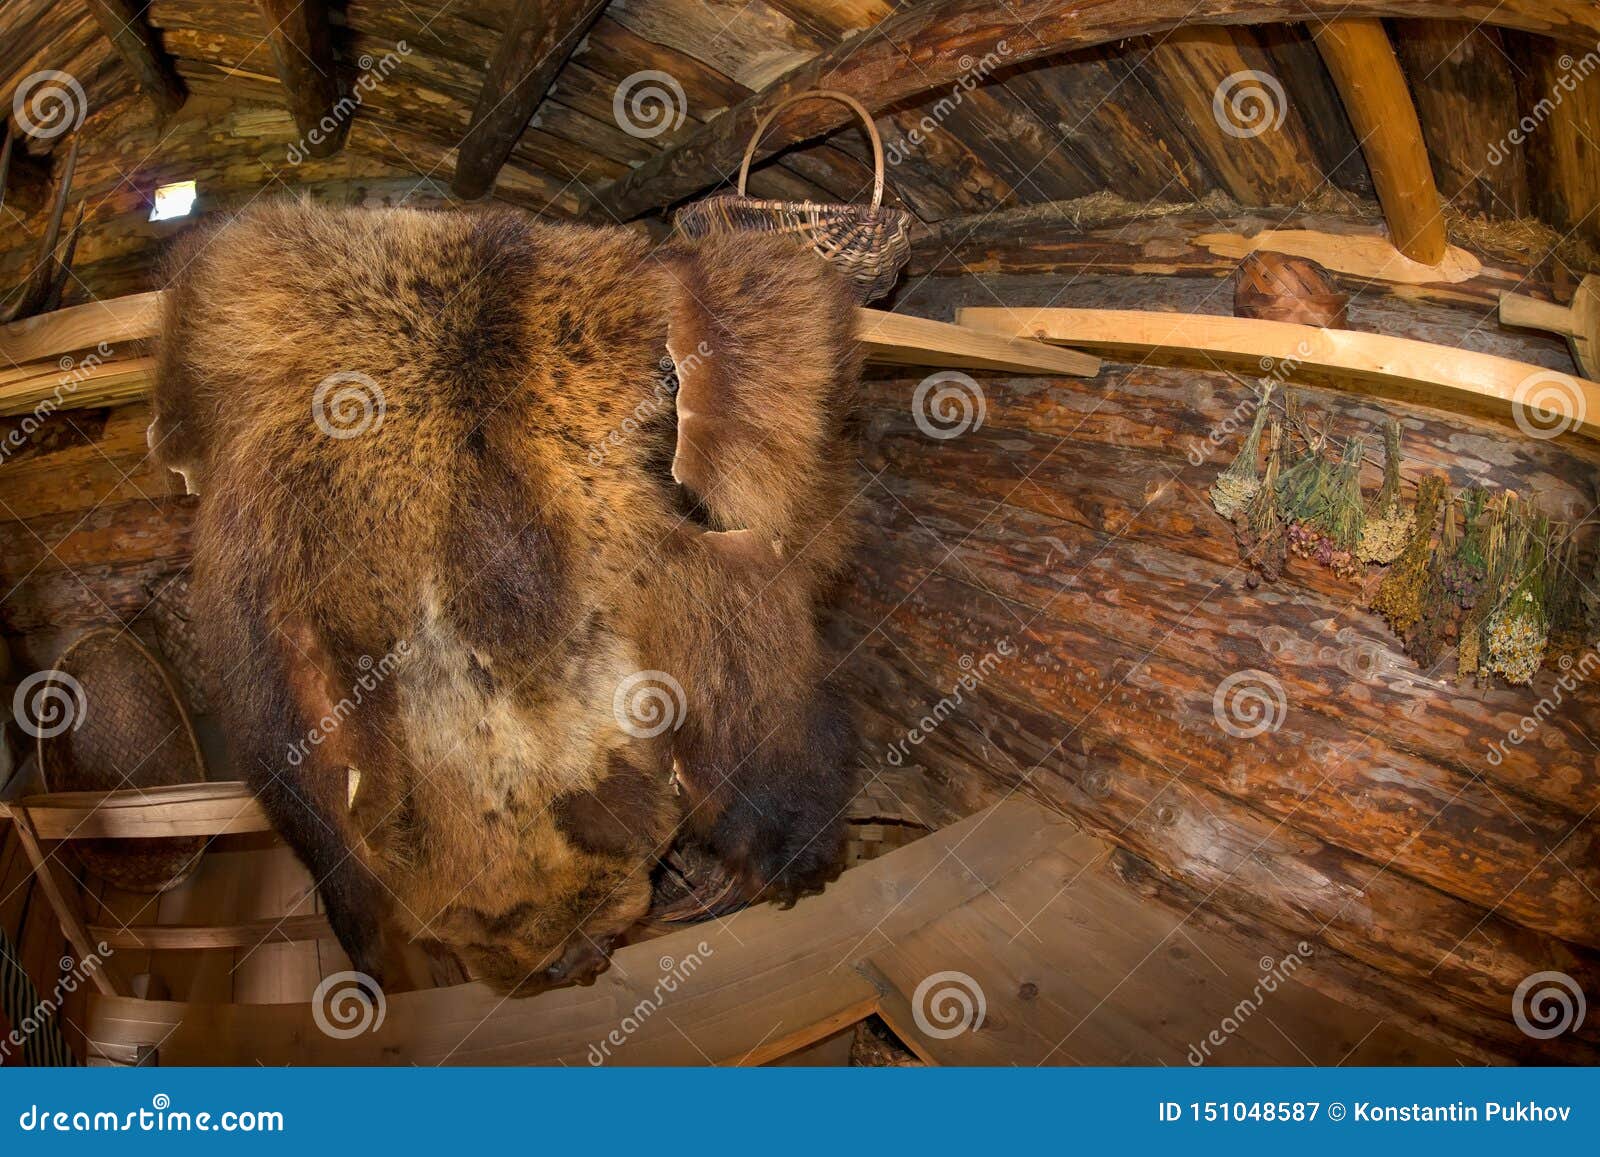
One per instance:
(1234, 111)
(1466, 99)
(935, 37)
(1128, 140)
(302, 51)
(1560, 97)
(1367, 73)
(537, 42)
(126, 26)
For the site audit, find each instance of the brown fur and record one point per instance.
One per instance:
(519, 556)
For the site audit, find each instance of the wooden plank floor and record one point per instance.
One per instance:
(1011, 906)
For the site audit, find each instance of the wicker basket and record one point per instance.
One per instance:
(120, 725)
(169, 609)
(870, 244)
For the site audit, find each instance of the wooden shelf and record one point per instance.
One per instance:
(203, 809)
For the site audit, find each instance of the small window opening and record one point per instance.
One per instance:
(173, 200)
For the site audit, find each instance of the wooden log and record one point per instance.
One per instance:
(1466, 98)
(1111, 125)
(1237, 859)
(1218, 81)
(1362, 62)
(1053, 240)
(1413, 368)
(302, 53)
(1149, 592)
(1434, 823)
(1559, 99)
(128, 28)
(1298, 66)
(890, 338)
(111, 322)
(533, 47)
(937, 37)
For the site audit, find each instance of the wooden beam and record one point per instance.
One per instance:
(538, 38)
(1365, 70)
(204, 937)
(1466, 95)
(102, 384)
(115, 320)
(895, 339)
(128, 28)
(203, 809)
(933, 45)
(1579, 323)
(1432, 373)
(900, 339)
(302, 51)
(1564, 103)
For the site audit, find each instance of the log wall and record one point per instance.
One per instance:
(1072, 528)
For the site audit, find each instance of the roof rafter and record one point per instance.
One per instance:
(127, 27)
(302, 52)
(922, 49)
(539, 37)
(1367, 73)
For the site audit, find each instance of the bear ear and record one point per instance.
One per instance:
(762, 333)
(707, 418)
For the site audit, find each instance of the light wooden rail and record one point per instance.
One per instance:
(1421, 370)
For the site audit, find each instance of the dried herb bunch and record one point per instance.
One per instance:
(1259, 527)
(1389, 524)
(1482, 571)
(1236, 485)
(1491, 531)
(1563, 594)
(1517, 630)
(1399, 597)
(1441, 609)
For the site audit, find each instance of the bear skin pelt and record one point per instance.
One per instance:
(559, 461)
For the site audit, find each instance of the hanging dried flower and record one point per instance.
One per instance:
(1518, 629)
(1237, 484)
(1302, 494)
(1259, 527)
(1389, 524)
(1488, 532)
(1342, 517)
(1441, 613)
(1563, 594)
(1399, 597)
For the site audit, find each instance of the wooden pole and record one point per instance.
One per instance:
(125, 24)
(537, 41)
(302, 51)
(1362, 61)
(65, 904)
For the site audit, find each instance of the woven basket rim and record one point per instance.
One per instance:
(123, 635)
(890, 211)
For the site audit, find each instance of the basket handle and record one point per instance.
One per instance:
(820, 94)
